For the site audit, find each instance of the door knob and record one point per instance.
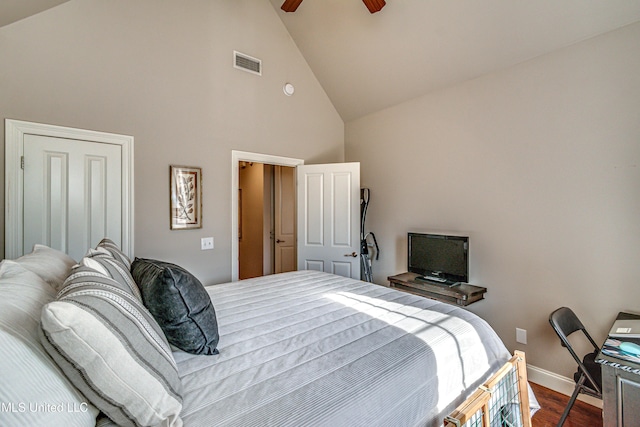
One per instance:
(280, 241)
(352, 254)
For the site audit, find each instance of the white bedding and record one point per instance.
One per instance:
(310, 348)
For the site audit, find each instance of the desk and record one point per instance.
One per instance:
(620, 390)
(461, 294)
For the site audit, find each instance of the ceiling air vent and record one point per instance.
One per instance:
(247, 63)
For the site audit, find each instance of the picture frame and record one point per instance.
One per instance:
(185, 210)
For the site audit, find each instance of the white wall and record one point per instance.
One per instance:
(162, 72)
(540, 165)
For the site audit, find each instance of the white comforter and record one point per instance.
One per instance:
(310, 348)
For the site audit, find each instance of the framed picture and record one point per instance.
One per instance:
(186, 197)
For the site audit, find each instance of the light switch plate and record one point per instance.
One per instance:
(206, 243)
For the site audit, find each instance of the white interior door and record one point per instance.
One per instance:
(285, 219)
(66, 188)
(72, 193)
(328, 205)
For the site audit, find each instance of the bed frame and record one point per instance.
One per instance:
(503, 400)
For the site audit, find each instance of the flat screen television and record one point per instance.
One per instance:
(439, 258)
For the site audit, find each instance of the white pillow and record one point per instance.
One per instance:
(33, 389)
(22, 295)
(50, 264)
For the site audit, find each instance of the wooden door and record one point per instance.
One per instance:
(285, 218)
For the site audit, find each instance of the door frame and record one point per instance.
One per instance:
(14, 178)
(236, 158)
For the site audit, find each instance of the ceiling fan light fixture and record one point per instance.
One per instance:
(290, 5)
(374, 5)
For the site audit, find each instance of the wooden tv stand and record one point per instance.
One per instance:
(463, 295)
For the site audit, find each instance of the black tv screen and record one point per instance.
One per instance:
(439, 258)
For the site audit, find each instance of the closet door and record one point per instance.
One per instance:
(66, 188)
(72, 193)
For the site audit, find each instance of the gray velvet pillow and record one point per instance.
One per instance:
(179, 303)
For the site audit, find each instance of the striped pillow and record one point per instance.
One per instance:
(112, 350)
(110, 246)
(110, 267)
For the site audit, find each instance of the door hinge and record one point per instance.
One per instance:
(21, 162)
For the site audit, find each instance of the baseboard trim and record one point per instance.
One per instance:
(558, 383)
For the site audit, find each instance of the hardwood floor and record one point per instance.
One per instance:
(552, 405)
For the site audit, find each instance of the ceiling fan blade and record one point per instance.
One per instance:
(291, 5)
(374, 5)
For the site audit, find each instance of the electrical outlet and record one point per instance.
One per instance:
(521, 336)
(206, 243)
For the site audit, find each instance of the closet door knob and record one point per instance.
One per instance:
(352, 254)
(280, 241)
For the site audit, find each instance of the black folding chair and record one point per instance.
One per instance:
(588, 377)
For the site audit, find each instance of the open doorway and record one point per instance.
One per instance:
(263, 214)
(266, 219)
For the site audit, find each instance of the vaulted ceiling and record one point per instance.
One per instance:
(367, 62)
(14, 10)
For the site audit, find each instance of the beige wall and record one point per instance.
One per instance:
(162, 72)
(540, 165)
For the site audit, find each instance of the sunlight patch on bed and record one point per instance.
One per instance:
(452, 340)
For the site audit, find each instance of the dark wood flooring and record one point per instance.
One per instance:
(552, 405)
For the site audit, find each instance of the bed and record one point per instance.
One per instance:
(303, 348)
(311, 348)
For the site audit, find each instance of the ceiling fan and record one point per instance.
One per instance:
(373, 5)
